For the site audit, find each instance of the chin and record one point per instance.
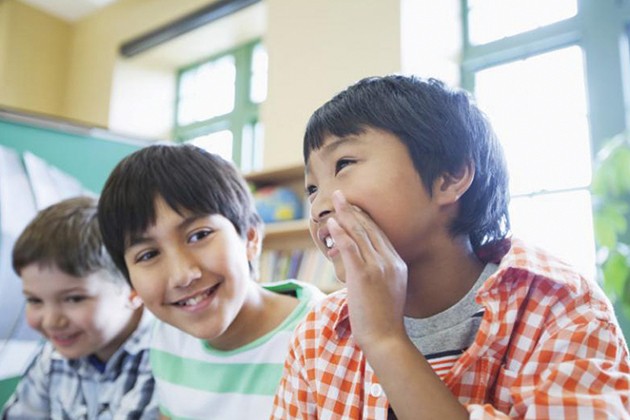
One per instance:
(72, 355)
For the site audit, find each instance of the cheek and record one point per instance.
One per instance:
(147, 285)
(238, 267)
(148, 295)
(33, 319)
(312, 228)
(231, 258)
(90, 314)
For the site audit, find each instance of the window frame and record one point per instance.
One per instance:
(600, 28)
(245, 111)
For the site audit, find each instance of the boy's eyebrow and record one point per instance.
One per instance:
(74, 289)
(334, 144)
(337, 142)
(184, 224)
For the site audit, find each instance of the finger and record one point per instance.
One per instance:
(346, 246)
(349, 218)
(361, 226)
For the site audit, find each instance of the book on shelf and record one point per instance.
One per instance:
(307, 265)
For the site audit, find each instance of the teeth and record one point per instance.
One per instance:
(63, 337)
(195, 299)
(329, 242)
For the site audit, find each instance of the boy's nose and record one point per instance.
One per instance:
(183, 272)
(54, 319)
(319, 217)
(321, 207)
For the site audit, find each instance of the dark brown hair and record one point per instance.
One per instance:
(65, 235)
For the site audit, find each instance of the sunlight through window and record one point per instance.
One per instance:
(538, 109)
(491, 20)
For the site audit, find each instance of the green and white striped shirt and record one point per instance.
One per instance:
(195, 381)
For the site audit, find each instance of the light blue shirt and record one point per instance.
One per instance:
(54, 387)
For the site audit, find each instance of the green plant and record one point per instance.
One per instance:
(611, 195)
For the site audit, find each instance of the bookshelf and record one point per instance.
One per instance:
(288, 250)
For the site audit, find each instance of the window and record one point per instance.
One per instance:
(536, 68)
(490, 20)
(217, 104)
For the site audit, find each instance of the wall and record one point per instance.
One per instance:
(143, 86)
(4, 33)
(34, 58)
(96, 41)
(142, 101)
(431, 39)
(308, 61)
(317, 48)
(319, 63)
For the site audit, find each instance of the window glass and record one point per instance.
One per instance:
(561, 223)
(538, 109)
(258, 92)
(218, 101)
(490, 20)
(541, 120)
(220, 142)
(207, 91)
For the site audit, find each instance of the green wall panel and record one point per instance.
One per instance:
(7, 386)
(86, 156)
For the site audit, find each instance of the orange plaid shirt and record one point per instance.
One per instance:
(549, 346)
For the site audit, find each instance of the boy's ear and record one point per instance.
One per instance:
(254, 243)
(135, 301)
(449, 187)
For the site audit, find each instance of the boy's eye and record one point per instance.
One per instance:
(32, 300)
(74, 298)
(342, 163)
(199, 235)
(146, 255)
(310, 190)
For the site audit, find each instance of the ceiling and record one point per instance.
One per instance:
(69, 10)
(240, 27)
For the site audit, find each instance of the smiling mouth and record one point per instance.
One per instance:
(64, 339)
(191, 301)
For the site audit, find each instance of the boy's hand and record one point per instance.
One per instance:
(376, 276)
(376, 279)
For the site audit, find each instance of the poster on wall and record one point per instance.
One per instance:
(50, 184)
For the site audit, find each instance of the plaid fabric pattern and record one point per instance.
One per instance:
(54, 387)
(549, 346)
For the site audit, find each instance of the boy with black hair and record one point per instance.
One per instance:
(443, 315)
(95, 363)
(181, 224)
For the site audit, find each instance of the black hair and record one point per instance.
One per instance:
(188, 179)
(65, 235)
(443, 131)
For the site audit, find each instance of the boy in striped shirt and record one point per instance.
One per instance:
(444, 316)
(181, 224)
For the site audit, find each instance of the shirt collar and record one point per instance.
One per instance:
(534, 261)
(341, 317)
(138, 341)
(519, 258)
